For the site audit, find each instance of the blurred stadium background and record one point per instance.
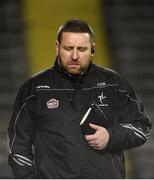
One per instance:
(124, 35)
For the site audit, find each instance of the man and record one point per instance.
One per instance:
(45, 134)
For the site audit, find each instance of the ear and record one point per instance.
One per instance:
(93, 48)
(57, 47)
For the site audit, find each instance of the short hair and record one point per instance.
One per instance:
(77, 26)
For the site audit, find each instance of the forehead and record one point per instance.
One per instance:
(75, 38)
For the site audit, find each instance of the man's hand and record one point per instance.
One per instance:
(99, 139)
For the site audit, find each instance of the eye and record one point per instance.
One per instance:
(68, 48)
(82, 49)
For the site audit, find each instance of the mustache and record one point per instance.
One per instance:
(73, 63)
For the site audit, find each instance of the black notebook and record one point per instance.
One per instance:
(93, 115)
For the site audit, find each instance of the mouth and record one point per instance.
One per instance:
(73, 65)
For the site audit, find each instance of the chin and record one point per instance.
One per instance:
(73, 71)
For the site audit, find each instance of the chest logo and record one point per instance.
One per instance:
(101, 99)
(52, 103)
(101, 84)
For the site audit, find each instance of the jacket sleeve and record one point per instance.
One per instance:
(133, 127)
(21, 136)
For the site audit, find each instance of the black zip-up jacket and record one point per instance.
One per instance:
(44, 131)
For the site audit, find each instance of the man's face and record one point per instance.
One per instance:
(74, 52)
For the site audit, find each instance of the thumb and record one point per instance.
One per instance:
(94, 126)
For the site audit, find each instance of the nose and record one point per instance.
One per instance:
(74, 55)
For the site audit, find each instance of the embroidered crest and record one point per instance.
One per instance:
(101, 99)
(52, 103)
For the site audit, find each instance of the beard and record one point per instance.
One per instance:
(74, 67)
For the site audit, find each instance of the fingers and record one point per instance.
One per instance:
(94, 126)
(99, 139)
(91, 140)
(94, 136)
(90, 137)
(94, 145)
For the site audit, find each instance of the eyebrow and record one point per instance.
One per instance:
(69, 46)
